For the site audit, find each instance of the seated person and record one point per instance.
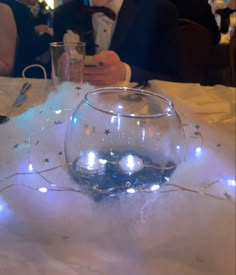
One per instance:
(200, 12)
(25, 44)
(216, 4)
(140, 44)
(42, 20)
(42, 13)
(7, 40)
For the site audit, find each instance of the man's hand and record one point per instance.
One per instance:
(109, 69)
(40, 29)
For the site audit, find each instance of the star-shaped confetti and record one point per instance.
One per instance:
(37, 142)
(46, 161)
(107, 132)
(15, 146)
(57, 122)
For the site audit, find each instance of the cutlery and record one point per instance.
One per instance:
(141, 85)
(22, 95)
(136, 96)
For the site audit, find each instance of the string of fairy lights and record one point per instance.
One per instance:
(170, 187)
(167, 187)
(203, 189)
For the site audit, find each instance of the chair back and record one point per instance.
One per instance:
(195, 48)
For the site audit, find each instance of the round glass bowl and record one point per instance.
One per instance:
(123, 139)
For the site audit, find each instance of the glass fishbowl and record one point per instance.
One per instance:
(123, 140)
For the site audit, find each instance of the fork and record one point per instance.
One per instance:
(22, 94)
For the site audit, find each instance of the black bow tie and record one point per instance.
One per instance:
(107, 11)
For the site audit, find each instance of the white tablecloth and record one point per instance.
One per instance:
(47, 227)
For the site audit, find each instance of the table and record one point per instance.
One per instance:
(48, 227)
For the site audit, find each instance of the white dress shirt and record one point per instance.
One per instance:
(103, 28)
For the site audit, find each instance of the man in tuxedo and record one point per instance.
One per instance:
(140, 44)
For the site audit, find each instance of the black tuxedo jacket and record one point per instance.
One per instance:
(144, 37)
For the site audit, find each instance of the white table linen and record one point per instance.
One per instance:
(48, 227)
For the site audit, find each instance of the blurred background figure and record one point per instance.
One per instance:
(223, 61)
(43, 18)
(221, 4)
(225, 12)
(28, 43)
(42, 13)
(232, 4)
(216, 4)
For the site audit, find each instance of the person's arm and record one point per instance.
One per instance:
(40, 29)
(8, 37)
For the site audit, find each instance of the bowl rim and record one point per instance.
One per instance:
(164, 99)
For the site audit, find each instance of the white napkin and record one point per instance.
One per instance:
(196, 98)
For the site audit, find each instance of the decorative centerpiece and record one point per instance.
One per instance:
(123, 139)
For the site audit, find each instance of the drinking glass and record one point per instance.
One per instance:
(67, 61)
